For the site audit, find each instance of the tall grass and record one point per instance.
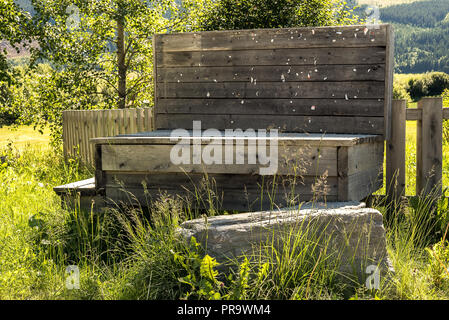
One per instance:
(128, 253)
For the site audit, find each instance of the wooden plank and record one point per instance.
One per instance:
(365, 156)
(141, 119)
(389, 69)
(235, 192)
(274, 57)
(132, 120)
(80, 134)
(92, 134)
(364, 183)
(342, 36)
(312, 107)
(100, 175)
(395, 171)
(64, 134)
(287, 90)
(110, 124)
(301, 160)
(85, 130)
(155, 77)
(375, 72)
(72, 133)
(342, 169)
(429, 149)
(82, 184)
(324, 124)
(312, 139)
(148, 119)
(176, 181)
(224, 200)
(416, 114)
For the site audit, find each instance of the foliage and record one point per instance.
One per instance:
(426, 14)
(201, 274)
(14, 32)
(421, 39)
(438, 267)
(429, 84)
(252, 14)
(100, 53)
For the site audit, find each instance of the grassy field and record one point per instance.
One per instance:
(120, 255)
(23, 135)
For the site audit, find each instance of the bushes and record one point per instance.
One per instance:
(253, 14)
(430, 84)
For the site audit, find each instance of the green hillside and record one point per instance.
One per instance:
(422, 33)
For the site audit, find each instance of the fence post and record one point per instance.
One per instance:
(429, 148)
(395, 171)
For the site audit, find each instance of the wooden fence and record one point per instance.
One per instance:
(79, 126)
(429, 147)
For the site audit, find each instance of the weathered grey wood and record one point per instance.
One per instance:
(416, 114)
(395, 166)
(363, 183)
(100, 182)
(156, 158)
(389, 69)
(65, 131)
(342, 36)
(257, 74)
(304, 124)
(270, 90)
(365, 157)
(429, 159)
(342, 168)
(269, 57)
(86, 184)
(232, 192)
(291, 139)
(312, 107)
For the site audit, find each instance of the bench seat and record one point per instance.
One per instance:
(329, 167)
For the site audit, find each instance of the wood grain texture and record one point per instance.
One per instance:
(389, 70)
(284, 123)
(229, 191)
(287, 73)
(273, 90)
(311, 107)
(343, 36)
(283, 139)
(395, 154)
(304, 160)
(429, 149)
(329, 71)
(274, 57)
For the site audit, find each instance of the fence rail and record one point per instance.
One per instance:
(79, 126)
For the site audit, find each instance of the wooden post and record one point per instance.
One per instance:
(429, 149)
(395, 175)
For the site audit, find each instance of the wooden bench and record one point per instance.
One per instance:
(327, 90)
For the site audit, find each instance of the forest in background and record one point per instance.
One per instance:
(421, 33)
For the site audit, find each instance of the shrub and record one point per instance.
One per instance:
(430, 84)
(253, 14)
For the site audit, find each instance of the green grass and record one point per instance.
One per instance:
(22, 135)
(122, 255)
